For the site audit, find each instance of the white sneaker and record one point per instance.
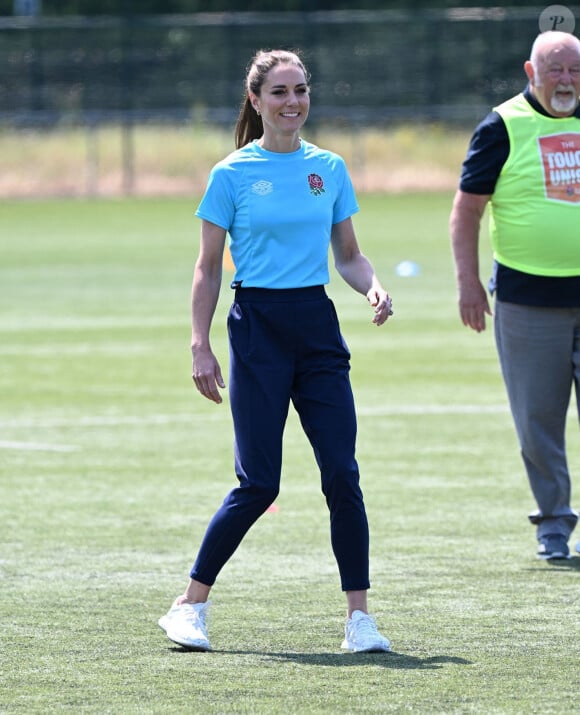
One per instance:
(186, 625)
(361, 635)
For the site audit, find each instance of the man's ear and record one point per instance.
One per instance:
(529, 70)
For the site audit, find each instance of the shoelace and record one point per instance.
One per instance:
(194, 616)
(367, 625)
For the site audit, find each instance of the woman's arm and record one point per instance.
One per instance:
(207, 277)
(356, 270)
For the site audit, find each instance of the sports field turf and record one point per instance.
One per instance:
(111, 465)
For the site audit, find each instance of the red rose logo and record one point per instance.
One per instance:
(316, 184)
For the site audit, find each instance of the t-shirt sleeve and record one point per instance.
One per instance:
(218, 202)
(487, 153)
(346, 204)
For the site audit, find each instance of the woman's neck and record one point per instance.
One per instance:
(280, 144)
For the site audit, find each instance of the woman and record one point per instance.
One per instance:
(283, 201)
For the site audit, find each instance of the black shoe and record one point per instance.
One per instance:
(553, 546)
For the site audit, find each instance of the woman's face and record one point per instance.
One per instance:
(284, 100)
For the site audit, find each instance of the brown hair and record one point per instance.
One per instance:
(249, 125)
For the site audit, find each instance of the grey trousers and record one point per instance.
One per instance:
(539, 354)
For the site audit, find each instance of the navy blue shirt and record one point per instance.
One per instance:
(488, 151)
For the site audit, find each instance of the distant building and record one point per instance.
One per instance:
(28, 7)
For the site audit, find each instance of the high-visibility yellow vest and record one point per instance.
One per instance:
(535, 208)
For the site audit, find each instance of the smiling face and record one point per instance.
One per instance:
(554, 73)
(283, 103)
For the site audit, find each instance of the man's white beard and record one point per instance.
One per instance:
(561, 105)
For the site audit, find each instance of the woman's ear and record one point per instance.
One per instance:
(255, 102)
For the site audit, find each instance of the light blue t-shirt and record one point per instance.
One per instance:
(279, 210)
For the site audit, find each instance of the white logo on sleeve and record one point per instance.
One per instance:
(262, 187)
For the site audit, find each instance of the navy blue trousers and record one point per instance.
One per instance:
(286, 346)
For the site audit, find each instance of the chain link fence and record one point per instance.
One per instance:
(370, 69)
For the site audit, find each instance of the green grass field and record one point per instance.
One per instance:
(111, 465)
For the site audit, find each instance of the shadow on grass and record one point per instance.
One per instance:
(571, 564)
(393, 661)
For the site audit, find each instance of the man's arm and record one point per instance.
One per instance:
(464, 226)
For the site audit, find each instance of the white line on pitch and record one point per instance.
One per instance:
(221, 416)
(110, 420)
(433, 410)
(37, 446)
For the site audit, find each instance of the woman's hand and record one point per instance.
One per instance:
(381, 301)
(207, 375)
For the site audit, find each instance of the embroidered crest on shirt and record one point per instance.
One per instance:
(560, 154)
(316, 184)
(263, 187)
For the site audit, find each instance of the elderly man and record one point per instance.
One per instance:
(524, 159)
